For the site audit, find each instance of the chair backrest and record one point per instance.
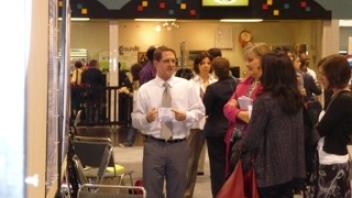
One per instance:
(93, 139)
(98, 139)
(94, 131)
(93, 154)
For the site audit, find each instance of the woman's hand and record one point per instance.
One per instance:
(233, 103)
(244, 116)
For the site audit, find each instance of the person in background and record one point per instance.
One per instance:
(185, 73)
(148, 71)
(75, 81)
(285, 50)
(297, 65)
(331, 178)
(203, 78)
(214, 52)
(124, 100)
(311, 88)
(299, 75)
(275, 139)
(135, 70)
(306, 67)
(131, 97)
(250, 87)
(216, 95)
(93, 83)
(165, 109)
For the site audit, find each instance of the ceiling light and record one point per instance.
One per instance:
(158, 28)
(154, 19)
(241, 20)
(345, 23)
(77, 19)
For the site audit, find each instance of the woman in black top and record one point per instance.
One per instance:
(216, 95)
(334, 127)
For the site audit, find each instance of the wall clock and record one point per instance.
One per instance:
(245, 37)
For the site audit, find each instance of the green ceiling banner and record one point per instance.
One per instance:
(225, 3)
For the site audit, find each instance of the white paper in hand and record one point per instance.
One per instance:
(244, 102)
(250, 108)
(165, 114)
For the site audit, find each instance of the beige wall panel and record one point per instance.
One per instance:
(330, 38)
(37, 97)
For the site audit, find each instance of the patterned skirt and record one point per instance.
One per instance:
(330, 181)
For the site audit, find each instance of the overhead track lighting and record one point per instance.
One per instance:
(77, 19)
(154, 19)
(241, 20)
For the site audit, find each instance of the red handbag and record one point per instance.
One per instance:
(240, 184)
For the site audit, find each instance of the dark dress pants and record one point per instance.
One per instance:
(279, 191)
(217, 159)
(195, 142)
(165, 161)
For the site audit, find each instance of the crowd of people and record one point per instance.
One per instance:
(87, 85)
(271, 121)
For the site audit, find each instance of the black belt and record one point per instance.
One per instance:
(171, 141)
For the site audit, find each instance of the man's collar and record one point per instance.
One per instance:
(160, 82)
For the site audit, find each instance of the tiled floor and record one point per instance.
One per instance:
(131, 157)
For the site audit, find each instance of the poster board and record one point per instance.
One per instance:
(223, 38)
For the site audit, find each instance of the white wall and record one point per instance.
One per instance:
(92, 35)
(37, 97)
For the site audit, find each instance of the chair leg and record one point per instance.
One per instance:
(131, 179)
(121, 178)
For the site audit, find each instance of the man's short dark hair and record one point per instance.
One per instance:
(93, 63)
(78, 64)
(185, 73)
(159, 51)
(150, 53)
(135, 70)
(215, 52)
(221, 67)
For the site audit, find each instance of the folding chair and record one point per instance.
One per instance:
(93, 154)
(87, 190)
(112, 170)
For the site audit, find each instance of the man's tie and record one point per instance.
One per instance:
(166, 128)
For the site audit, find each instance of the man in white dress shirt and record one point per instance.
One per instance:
(165, 126)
